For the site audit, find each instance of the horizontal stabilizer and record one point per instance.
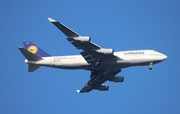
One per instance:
(68, 32)
(28, 55)
(33, 67)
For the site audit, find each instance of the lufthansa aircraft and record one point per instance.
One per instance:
(103, 63)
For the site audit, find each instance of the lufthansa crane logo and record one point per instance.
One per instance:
(33, 49)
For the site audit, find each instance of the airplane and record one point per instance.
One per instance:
(103, 63)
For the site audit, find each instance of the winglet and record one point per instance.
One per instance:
(78, 91)
(51, 20)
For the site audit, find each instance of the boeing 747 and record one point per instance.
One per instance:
(103, 63)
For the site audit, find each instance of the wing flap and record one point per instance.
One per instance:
(90, 58)
(75, 43)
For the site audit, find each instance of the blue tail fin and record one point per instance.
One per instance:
(35, 49)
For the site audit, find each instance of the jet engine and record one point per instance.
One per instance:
(105, 51)
(83, 39)
(117, 79)
(103, 87)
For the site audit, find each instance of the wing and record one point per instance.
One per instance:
(98, 77)
(92, 53)
(74, 38)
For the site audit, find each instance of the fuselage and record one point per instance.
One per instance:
(121, 59)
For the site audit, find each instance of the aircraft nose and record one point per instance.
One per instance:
(164, 57)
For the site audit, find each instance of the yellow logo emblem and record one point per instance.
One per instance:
(33, 49)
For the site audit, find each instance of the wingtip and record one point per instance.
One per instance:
(51, 20)
(78, 91)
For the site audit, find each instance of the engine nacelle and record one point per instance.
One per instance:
(83, 38)
(103, 87)
(105, 51)
(117, 79)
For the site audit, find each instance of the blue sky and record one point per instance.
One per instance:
(118, 24)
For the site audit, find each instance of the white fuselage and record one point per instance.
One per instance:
(122, 59)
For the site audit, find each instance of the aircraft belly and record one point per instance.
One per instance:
(113, 64)
(143, 62)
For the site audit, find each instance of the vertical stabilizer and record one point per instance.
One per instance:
(35, 49)
(28, 55)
